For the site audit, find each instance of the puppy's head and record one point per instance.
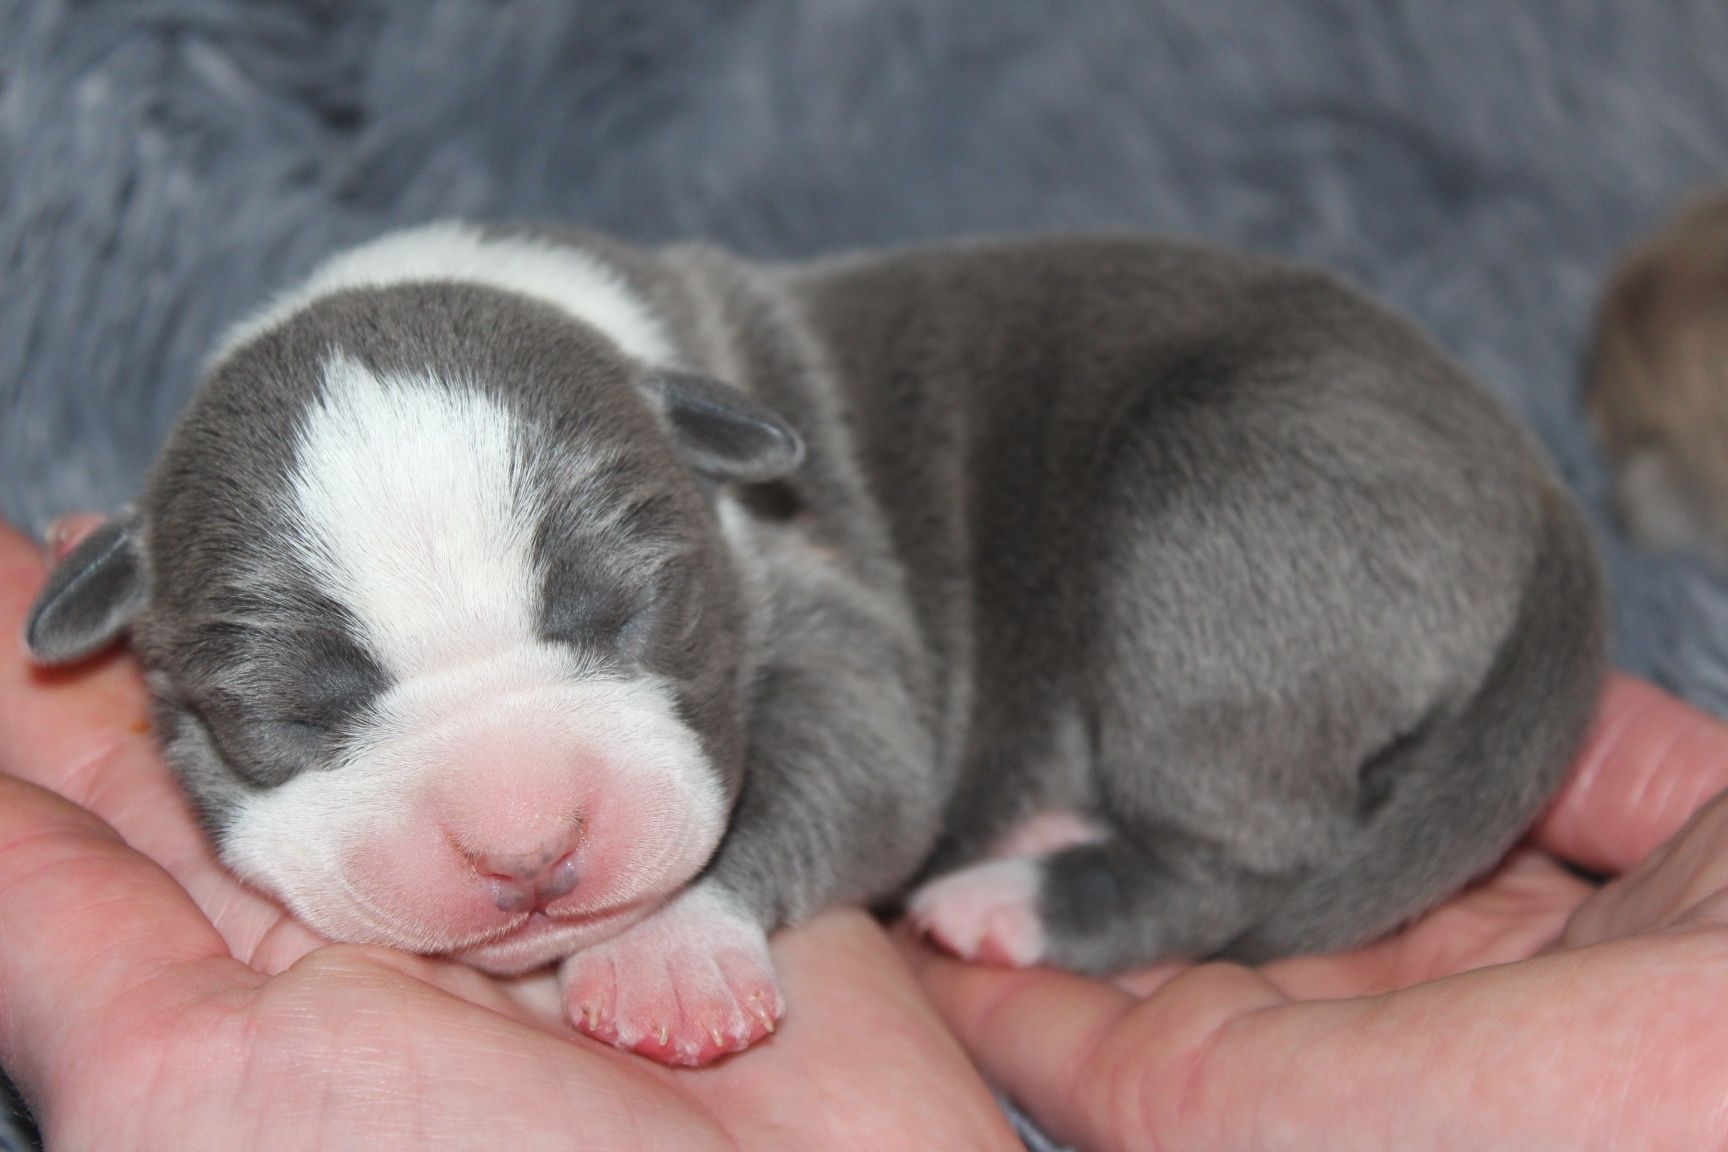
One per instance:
(443, 636)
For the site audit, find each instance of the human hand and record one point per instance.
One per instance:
(148, 1000)
(1534, 1011)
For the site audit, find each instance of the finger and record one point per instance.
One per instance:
(1649, 762)
(1684, 881)
(1216, 1060)
(84, 733)
(1065, 1047)
(92, 935)
(858, 1032)
(58, 723)
(1508, 916)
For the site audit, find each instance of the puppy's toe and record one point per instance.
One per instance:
(987, 913)
(687, 985)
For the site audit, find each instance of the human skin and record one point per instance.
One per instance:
(149, 1001)
(169, 1007)
(1538, 1010)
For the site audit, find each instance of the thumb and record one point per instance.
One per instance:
(1649, 763)
(94, 939)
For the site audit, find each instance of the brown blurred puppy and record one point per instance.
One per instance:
(1658, 390)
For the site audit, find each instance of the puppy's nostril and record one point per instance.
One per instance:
(523, 883)
(511, 895)
(558, 879)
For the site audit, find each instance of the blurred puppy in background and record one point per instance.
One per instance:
(1658, 389)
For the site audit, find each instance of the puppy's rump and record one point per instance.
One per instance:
(1498, 754)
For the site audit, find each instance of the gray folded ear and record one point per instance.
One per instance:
(91, 596)
(723, 433)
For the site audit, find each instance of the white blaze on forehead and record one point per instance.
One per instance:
(561, 275)
(413, 505)
(411, 498)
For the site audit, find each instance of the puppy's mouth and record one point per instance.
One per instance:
(547, 934)
(550, 917)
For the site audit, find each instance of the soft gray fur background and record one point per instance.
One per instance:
(1475, 162)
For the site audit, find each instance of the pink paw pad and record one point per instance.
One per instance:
(987, 913)
(688, 985)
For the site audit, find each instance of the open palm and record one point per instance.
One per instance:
(148, 1000)
(1536, 1010)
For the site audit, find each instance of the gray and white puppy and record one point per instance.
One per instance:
(519, 596)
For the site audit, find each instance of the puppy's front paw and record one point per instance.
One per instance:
(987, 913)
(687, 985)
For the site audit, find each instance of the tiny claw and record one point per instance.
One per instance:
(717, 1036)
(661, 1032)
(760, 1010)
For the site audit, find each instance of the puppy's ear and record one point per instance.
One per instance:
(91, 596)
(723, 433)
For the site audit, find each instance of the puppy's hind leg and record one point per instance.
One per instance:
(1111, 901)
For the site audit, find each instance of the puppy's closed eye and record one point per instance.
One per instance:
(634, 620)
(333, 683)
(284, 707)
(584, 614)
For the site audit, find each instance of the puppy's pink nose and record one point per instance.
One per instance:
(523, 882)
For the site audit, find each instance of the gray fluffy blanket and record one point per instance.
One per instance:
(164, 163)
(1477, 163)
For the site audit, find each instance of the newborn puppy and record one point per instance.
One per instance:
(1658, 389)
(522, 597)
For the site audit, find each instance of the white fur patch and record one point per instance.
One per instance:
(413, 510)
(557, 274)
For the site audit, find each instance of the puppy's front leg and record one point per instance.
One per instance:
(690, 983)
(840, 804)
